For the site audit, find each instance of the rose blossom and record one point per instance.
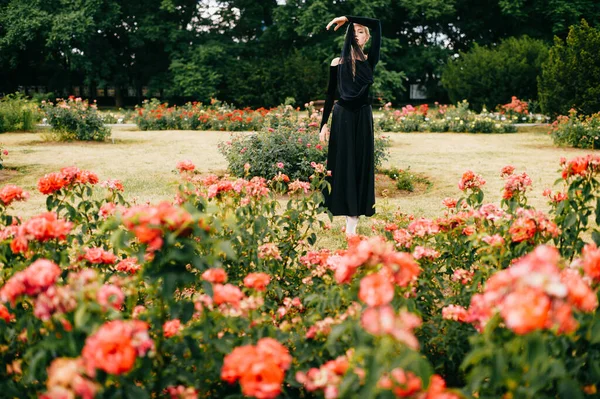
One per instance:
(110, 296)
(376, 289)
(171, 328)
(215, 276)
(258, 281)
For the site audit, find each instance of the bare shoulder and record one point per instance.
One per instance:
(335, 61)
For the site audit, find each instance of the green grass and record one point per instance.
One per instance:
(145, 161)
(533, 129)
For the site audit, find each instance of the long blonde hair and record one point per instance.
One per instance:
(353, 51)
(366, 28)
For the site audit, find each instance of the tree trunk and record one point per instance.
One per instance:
(138, 88)
(118, 97)
(92, 94)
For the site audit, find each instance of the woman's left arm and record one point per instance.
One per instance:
(375, 26)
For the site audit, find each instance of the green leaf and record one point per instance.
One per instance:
(570, 220)
(536, 351)
(187, 310)
(596, 237)
(82, 317)
(476, 356)
(170, 280)
(568, 388)
(594, 337)
(49, 203)
(135, 392)
(227, 248)
(347, 385)
(222, 346)
(207, 288)
(336, 332)
(36, 366)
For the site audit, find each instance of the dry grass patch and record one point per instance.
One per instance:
(145, 162)
(387, 187)
(534, 129)
(7, 175)
(443, 157)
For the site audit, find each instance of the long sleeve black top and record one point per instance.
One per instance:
(372, 59)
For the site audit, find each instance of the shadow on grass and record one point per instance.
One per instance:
(8, 173)
(534, 129)
(12, 172)
(109, 142)
(386, 187)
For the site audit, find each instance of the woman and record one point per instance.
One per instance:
(351, 142)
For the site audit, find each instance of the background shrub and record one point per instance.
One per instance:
(444, 118)
(154, 115)
(488, 76)
(404, 178)
(577, 131)
(293, 148)
(17, 113)
(570, 78)
(74, 119)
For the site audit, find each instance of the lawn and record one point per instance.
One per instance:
(145, 161)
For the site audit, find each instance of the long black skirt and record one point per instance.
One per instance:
(351, 160)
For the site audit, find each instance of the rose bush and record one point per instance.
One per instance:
(75, 119)
(516, 110)
(286, 150)
(222, 292)
(154, 115)
(577, 131)
(444, 118)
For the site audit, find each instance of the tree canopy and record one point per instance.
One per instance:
(248, 52)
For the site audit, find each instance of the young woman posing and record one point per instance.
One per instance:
(351, 141)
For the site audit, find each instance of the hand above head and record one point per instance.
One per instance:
(338, 21)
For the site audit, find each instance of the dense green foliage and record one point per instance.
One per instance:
(74, 119)
(288, 152)
(571, 77)
(17, 113)
(577, 131)
(250, 53)
(405, 179)
(488, 76)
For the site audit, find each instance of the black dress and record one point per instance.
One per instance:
(351, 143)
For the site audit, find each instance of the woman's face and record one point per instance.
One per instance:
(360, 32)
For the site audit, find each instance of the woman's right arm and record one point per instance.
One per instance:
(331, 88)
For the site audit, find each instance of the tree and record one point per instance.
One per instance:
(492, 75)
(198, 73)
(23, 34)
(571, 76)
(171, 45)
(60, 44)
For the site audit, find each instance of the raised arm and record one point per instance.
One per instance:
(331, 87)
(375, 27)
